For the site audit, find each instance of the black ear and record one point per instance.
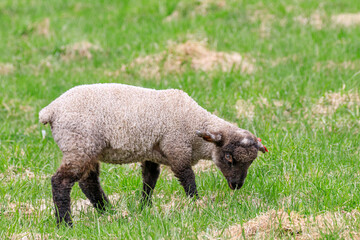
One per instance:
(216, 138)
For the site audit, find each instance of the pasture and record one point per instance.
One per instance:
(288, 71)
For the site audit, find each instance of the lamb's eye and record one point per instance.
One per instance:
(228, 157)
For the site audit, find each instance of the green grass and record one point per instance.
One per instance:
(313, 158)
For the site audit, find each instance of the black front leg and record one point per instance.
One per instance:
(186, 177)
(150, 174)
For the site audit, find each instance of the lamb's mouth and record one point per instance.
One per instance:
(235, 186)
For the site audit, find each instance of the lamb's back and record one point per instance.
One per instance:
(123, 114)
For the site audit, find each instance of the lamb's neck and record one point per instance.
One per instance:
(206, 150)
(215, 124)
(212, 124)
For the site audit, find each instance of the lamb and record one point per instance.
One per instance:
(117, 123)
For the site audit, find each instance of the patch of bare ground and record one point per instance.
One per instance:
(42, 28)
(41, 205)
(22, 208)
(48, 63)
(15, 174)
(16, 108)
(25, 208)
(31, 129)
(194, 54)
(78, 50)
(266, 103)
(184, 203)
(346, 19)
(316, 20)
(334, 110)
(281, 60)
(262, 15)
(213, 200)
(319, 18)
(166, 173)
(279, 223)
(328, 104)
(245, 109)
(170, 206)
(329, 65)
(29, 236)
(115, 73)
(6, 68)
(84, 206)
(193, 8)
(81, 205)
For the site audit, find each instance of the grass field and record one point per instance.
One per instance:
(286, 70)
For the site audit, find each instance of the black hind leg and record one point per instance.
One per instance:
(62, 183)
(92, 189)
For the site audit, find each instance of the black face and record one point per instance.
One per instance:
(234, 161)
(235, 152)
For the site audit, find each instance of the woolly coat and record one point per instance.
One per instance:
(118, 123)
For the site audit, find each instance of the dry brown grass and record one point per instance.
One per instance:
(266, 103)
(29, 236)
(201, 166)
(46, 63)
(328, 104)
(316, 20)
(25, 208)
(42, 28)
(6, 68)
(262, 15)
(81, 205)
(330, 65)
(321, 114)
(31, 129)
(78, 50)
(113, 74)
(15, 174)
(194, 54)
(263, 102)
(334, 111)
(275, 105)
(279, 224)
(198, 7)
(245, 109)
(183, 203)
(41, 205)
(346, 19)
(22, 208)
(281, 60)
(166, 173)
(84, 205)
(16, 108)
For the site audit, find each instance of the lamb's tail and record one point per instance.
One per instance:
(46, 115)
